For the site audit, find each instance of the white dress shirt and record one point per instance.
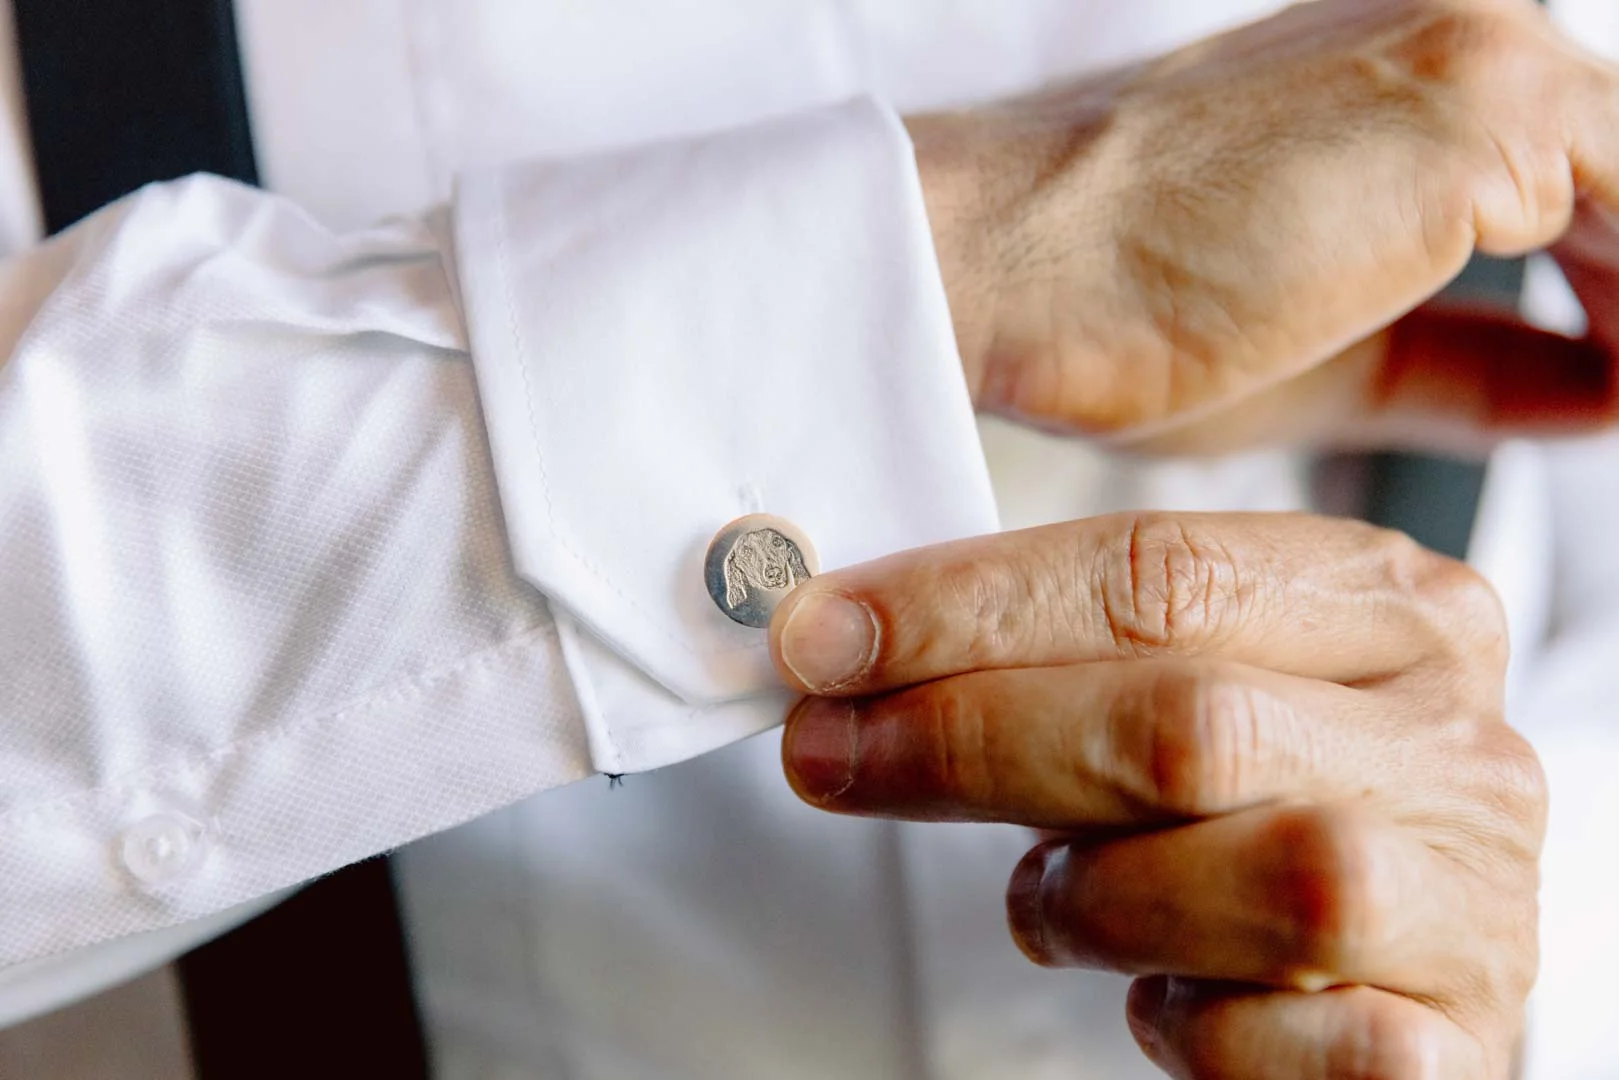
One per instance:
(322, 535)
(267, 613)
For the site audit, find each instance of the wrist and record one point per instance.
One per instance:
(1022, 202)
(949, 163)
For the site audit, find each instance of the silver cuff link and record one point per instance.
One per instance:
(753, 563)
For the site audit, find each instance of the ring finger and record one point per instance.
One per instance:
(1204, 1031)
(1293, 896)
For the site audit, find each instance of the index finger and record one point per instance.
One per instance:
(1308, 596)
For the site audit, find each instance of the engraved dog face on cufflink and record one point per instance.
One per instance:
(753, 563)
(764, 559)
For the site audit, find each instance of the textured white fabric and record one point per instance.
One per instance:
(631, 419)
(261, 614)
(253, 567)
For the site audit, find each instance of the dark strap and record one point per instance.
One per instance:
(124, 92)
(315, 989)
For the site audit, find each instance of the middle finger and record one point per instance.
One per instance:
(1102, 744)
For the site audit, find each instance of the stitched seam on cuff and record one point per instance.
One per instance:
(584, 690)
(394, 694)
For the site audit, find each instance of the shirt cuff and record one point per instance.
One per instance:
(673, 336)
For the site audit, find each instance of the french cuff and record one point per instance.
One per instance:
(672, 336)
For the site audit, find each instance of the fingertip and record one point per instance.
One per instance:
(820, 749)
(823, 640)
(1026, 901)
(1144, 1010)
(1145, 1004)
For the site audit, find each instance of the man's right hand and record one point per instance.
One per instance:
(1233, 245)
(1273, 747)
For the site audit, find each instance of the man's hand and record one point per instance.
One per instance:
(1225, 247)
(1273, 745)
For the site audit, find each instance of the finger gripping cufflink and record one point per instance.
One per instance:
(753, 563)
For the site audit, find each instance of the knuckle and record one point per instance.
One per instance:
(1474, 610)
(958, 767)
(1386, 1044)
(1460, 42)
(1501, 980)
(1496, 980)
(1001, 603)
(1202, 730)
(1170, 585)
(1516, 787)
(1334, 889)
(1407, 566)
(1509, 176)
(1521, 774)
(1460, 608)
(1519, 965)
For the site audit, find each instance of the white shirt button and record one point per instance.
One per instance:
(163, 848)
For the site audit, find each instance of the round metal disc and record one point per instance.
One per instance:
(753, 563)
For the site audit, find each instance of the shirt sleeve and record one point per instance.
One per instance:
(276, 598)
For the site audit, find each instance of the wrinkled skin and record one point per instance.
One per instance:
(1269, 750)
(1234, 245)
(1272, 747)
